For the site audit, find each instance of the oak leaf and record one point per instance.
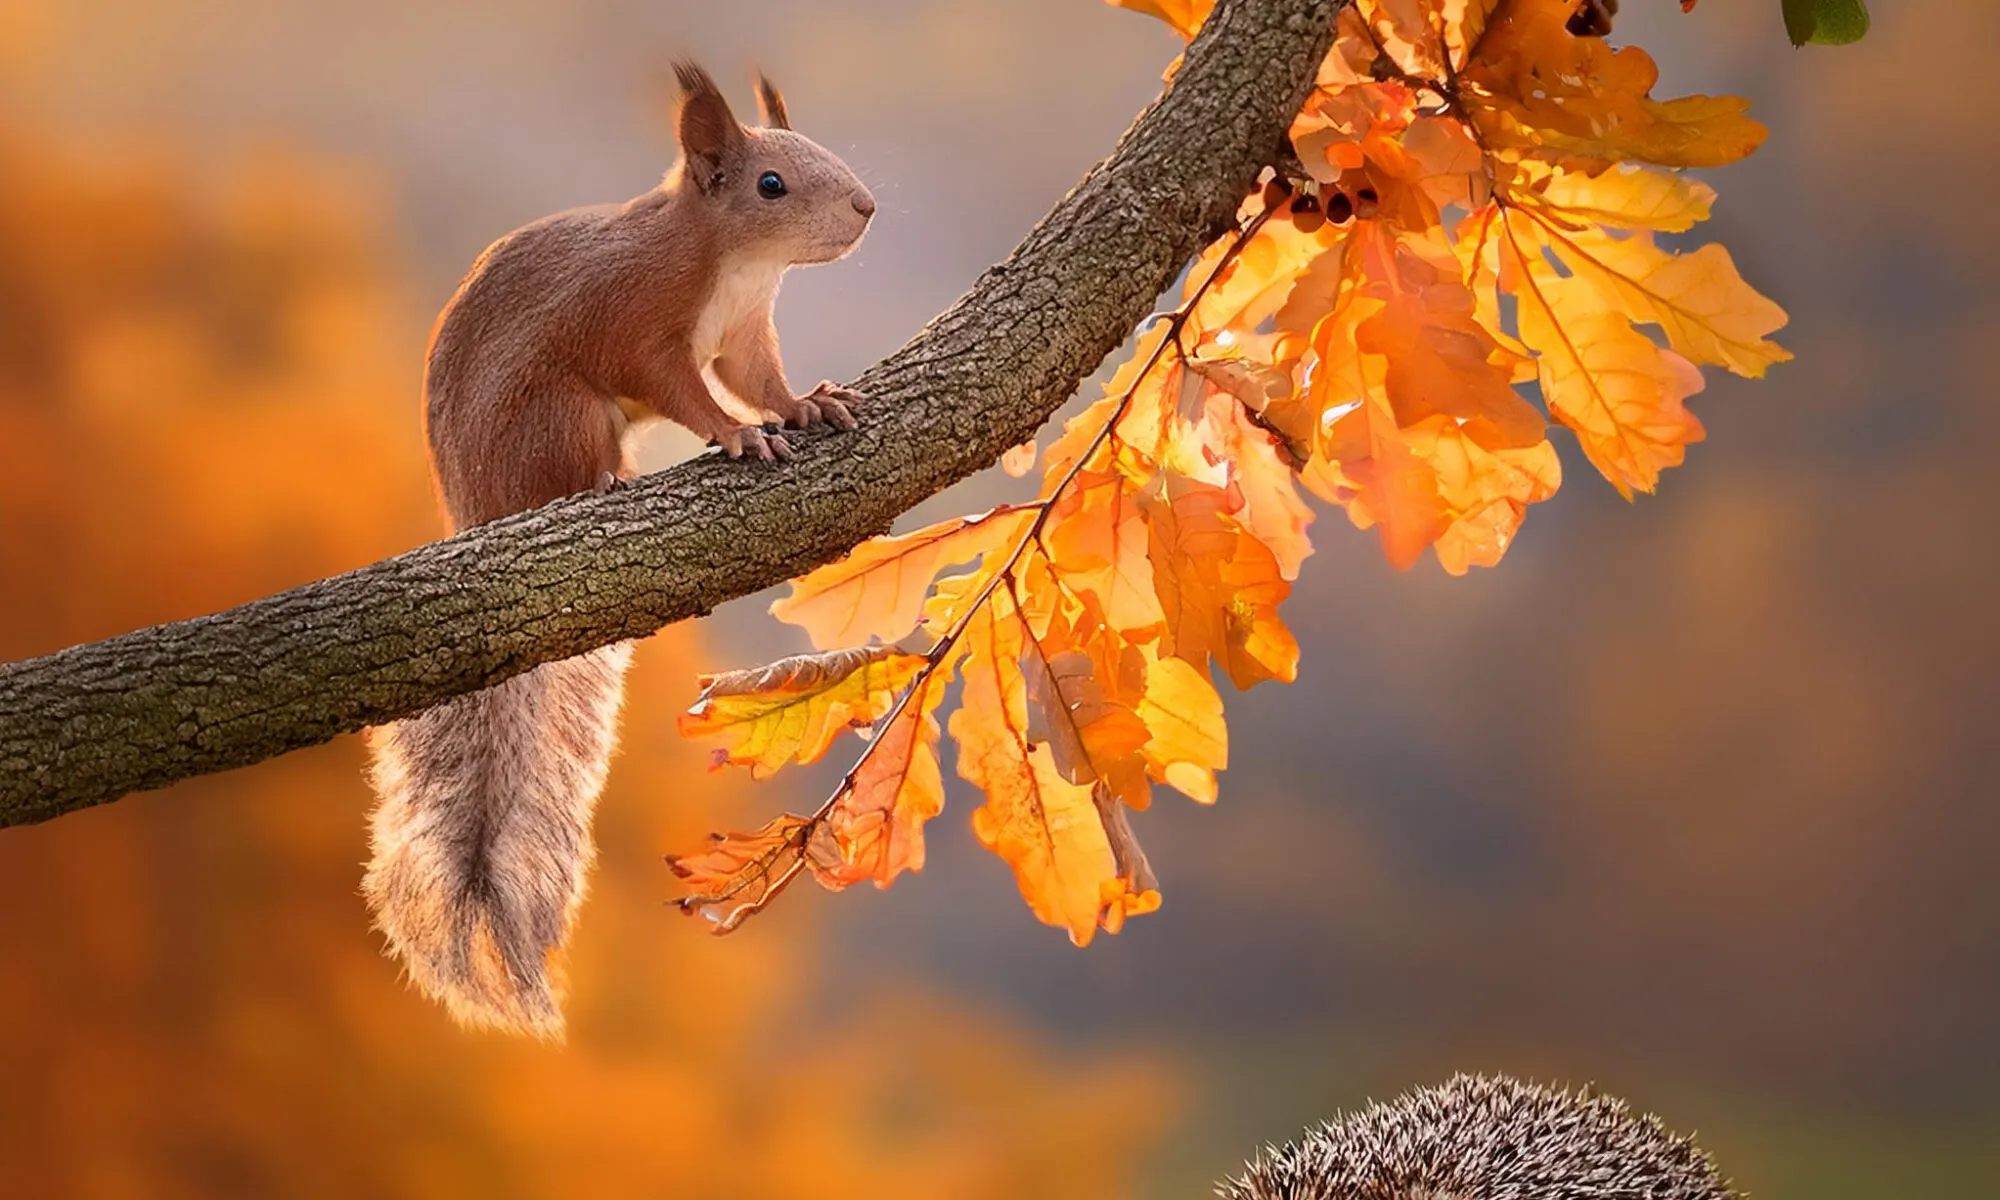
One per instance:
(1486, 489)
(1046, 828)
(1698, 300)
(1219, 587)
(1190, 740)
(1097, 541)
(1622, 394)
(1625, 197)
(1259, 479)
(877, 824)
(1533, 89)
(794, 709)
(742, 867)
(878, 590)
(1080, 704)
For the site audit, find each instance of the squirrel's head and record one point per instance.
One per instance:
(779, 192)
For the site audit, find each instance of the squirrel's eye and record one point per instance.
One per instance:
(770, 185)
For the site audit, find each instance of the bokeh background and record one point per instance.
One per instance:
(1694, 797)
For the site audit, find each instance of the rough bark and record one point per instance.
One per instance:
(94, 722)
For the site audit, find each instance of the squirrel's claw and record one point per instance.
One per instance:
(829, 402)
(755, 442)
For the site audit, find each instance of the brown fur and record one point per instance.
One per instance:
(482, 837)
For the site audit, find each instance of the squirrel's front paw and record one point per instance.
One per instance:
(755, 442)
(828, 402)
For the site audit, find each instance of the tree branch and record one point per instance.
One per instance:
(94, 722)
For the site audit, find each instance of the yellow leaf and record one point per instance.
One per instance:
(793, 709)
(1253, 284)
(1626, 197)
(1698, 300)
(878, 824)
(1190, 741)
(1152, 422)
(878, 589)
(1621, 393)
(1049, 831)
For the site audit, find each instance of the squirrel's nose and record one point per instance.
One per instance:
(864, 203)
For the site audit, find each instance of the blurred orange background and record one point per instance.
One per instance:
(1692, 797)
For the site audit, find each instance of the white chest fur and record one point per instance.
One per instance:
(744, 290)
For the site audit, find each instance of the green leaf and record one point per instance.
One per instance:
(1826, 22)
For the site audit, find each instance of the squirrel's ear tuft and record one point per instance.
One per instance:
(708, 130)
(771, 104)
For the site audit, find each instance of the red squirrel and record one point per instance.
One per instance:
(482, 835)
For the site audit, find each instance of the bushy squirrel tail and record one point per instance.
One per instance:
(482, 836)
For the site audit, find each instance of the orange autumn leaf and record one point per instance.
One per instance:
(1372, 471)
(1363, 462)
(1407, 32)
(1097, 541)
(877, 824)
(1262, 483)
(878, 590)
(1048, 830)
(1115, 712)
(1240, 291)
(1486, 489)
(792, 710)
(1077, 704)
(1045, 827)
(1536, 90)
(1436, 357)
(1219, 587)
(742, 867)
(1426, 38)
(1154, 406)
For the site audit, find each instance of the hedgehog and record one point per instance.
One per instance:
(1486, 1138)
